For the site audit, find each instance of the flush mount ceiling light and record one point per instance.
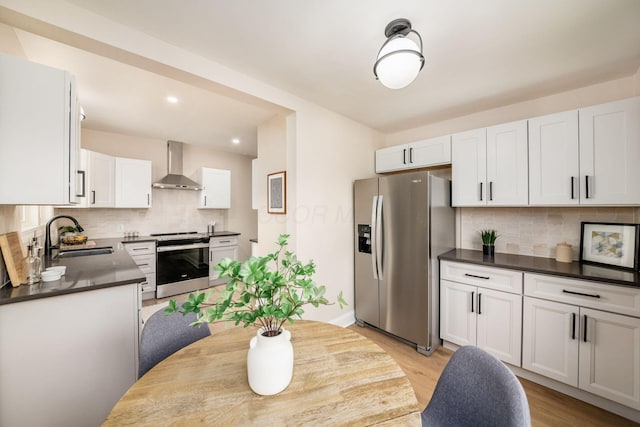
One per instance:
(172, 99)
(235, 141)
(400, 59)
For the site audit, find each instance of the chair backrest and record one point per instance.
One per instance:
(476, 389)
(163, 335)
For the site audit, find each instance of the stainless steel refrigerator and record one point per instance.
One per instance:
(402, 223)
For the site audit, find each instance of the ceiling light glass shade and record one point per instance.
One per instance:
(400, 59)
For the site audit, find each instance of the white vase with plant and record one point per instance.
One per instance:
(265, 292)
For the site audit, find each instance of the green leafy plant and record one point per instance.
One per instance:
(259, 295)
(489, 236)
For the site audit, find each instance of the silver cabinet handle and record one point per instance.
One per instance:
(84, 184)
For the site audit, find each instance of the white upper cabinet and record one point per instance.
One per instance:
(469, 168)
(553, 159)
(587, 156)
(39, 134)
(101, 189)
(489, 166)
(610, 153)
(217, 188)
(429, 152)
(133, 183)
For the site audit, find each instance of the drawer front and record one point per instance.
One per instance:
(150, 283)
(499, 279)
(217, 242)
(601, 296)
(140, 248)
(147, 263)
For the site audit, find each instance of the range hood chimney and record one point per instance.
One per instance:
(174, 179)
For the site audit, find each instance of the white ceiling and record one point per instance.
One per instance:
(479, 54)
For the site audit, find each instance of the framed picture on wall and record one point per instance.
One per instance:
(277, 193)
(610, 244)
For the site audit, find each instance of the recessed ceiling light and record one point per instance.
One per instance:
(235, 141)
(172, 99)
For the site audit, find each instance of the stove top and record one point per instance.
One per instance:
(184, 235)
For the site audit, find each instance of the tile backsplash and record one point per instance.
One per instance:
(535, 231)
(172, 211)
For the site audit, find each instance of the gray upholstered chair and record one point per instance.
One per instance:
(476, 389)
(163, 335)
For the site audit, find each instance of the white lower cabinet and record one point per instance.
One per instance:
(61, 369)
(219, 249)
(594, 350)
(550, 339)
(144, 255)
(478, 315)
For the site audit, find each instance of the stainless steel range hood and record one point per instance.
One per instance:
(174, 179)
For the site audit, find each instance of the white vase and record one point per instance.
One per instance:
(270, 363)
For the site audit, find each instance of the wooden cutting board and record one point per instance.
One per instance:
(15, 258)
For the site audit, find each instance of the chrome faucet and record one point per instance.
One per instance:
(48, 247)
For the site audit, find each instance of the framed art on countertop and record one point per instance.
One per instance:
(609, 244)
(277, 193)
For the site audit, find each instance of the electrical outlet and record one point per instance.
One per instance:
(120, 227)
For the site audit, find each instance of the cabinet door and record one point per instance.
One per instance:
(38, 134)
(218, 254)
(550, 338)
(507, 165)
(500, 324)
(101, 180)
(392, 158)
(217, 189)
(610, 356)
(610, 153)
(553, 159)
(469, 168)
(133, 183)
(430, 152)
(457, 313)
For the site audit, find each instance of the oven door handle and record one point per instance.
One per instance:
(175, 248)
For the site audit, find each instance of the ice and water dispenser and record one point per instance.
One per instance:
(364, 238)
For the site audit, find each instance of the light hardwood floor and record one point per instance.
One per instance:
(547, 407)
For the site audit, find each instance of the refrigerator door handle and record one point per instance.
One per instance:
(374, 244)
(379, 241)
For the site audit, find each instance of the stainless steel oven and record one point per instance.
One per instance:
(182, 264)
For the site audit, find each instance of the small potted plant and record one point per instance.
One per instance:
(266, 292)
(489, 237)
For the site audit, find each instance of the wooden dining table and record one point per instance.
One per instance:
(340, 378)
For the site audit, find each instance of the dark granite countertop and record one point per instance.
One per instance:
(83, 273)
(531, 264)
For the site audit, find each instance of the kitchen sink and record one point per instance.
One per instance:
(98, 250)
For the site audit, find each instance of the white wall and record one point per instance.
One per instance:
(330, 153)
(272, 157)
